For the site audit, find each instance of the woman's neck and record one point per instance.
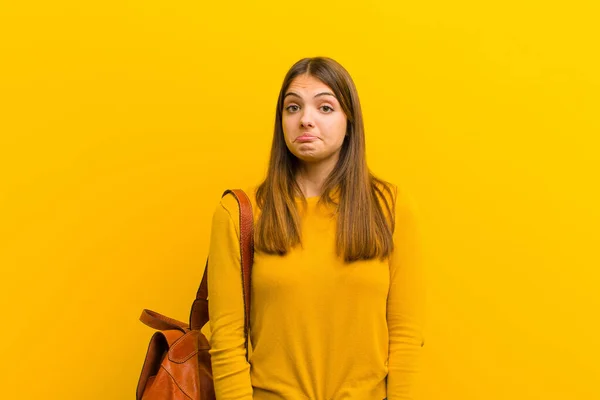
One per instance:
(311, 176)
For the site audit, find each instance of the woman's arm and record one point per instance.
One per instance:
(231, 370)
(406, 301)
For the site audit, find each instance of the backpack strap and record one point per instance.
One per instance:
(161, 322)
(199, 313)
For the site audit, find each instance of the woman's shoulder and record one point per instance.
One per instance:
(397, 195)
(385, 189)
(229, 203)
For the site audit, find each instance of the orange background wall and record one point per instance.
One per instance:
(122, 122)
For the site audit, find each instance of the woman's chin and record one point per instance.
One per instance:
(308, 157)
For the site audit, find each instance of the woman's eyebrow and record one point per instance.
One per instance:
(316, 95)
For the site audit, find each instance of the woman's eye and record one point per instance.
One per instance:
(294, 108)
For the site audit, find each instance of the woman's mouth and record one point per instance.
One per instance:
(306, 138)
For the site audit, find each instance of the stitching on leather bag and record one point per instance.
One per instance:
(181, 360)
(177, 384)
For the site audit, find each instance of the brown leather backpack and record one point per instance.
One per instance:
(177, 364)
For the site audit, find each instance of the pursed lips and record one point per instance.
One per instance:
(305, 137)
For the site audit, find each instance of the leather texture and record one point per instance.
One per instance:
(177, 364)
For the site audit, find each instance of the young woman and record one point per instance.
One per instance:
(336, 283)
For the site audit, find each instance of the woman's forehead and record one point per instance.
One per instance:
(311, 89)
(307, 83)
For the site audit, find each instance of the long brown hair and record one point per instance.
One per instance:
(364, 203)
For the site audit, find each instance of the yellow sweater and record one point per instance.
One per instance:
(320, 329)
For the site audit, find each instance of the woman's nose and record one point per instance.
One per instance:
(306, 120)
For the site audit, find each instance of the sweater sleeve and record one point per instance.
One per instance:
(231, 370)
(406, 300)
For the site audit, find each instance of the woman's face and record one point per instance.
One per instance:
(314, 124)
